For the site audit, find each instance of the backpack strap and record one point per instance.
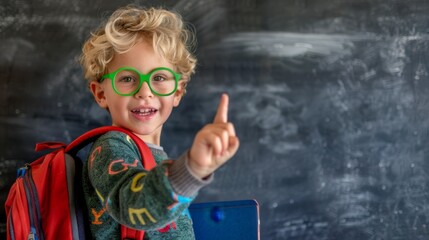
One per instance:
(131, 234)
(146, 156)
(90, 136)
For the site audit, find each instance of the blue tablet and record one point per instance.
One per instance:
(226, 220)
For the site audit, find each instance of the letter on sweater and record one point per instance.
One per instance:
(139, 213)
(123, 166)
(97, 215)
(134, 186)
(94, 155)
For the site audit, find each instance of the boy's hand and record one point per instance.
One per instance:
(214, 144)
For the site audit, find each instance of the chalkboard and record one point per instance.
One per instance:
(329, 98)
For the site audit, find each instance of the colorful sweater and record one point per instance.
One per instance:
(118, 190)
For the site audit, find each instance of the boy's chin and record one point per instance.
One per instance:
(146, 133)
(142, 131)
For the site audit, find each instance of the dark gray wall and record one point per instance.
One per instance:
(330, 100)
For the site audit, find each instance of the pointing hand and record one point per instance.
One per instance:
(214, 144)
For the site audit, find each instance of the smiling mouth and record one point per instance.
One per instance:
(144, 112)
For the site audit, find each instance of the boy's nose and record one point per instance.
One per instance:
(144, 91)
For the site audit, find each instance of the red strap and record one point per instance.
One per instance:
(129, 233)
(146, 156)
(84, 139)
(49, 145)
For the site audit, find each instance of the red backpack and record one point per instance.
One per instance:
(46, 201)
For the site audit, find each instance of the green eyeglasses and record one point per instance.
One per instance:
(127, 81)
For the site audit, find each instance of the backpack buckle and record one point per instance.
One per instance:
(21, 171)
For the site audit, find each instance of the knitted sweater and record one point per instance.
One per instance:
(118, 190)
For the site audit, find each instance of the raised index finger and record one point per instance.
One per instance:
(222, 110)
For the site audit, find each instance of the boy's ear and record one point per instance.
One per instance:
(98, 93)
(180, 92)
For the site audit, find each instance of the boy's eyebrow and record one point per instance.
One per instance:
(126, 66)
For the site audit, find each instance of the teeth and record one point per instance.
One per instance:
(144, 111)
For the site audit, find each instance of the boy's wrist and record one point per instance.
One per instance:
(183, 180)
(197, 171)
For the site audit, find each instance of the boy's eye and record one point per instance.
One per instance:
(127, 79)
(159, 78)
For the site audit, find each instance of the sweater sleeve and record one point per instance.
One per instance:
(132, 195)
(183, 180)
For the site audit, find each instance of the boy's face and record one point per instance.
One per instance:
(143, 113)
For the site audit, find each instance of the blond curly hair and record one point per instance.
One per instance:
(129, 25)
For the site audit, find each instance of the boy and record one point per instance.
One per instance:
(137, 67)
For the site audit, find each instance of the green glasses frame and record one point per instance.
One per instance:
(143, 78)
